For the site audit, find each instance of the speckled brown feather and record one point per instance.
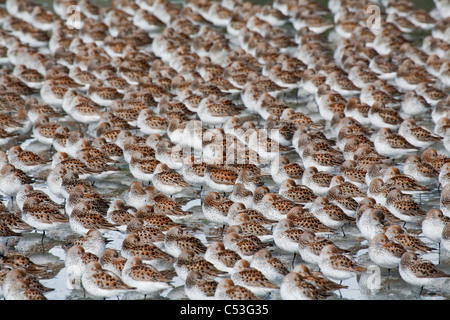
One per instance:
(342, 262)
(223, 175)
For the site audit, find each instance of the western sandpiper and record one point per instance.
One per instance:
(227, 290)
(168, 181)
(188, 261)
(420, 272)
(336, 265)
(252, 279)
(102, 283)
(145, 278)
(384, 252)
(433, 224)
(409, 241)
(200, 287)
(391, 144)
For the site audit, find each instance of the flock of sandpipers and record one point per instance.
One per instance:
(296, 126)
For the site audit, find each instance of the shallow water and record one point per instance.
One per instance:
(50, 252)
